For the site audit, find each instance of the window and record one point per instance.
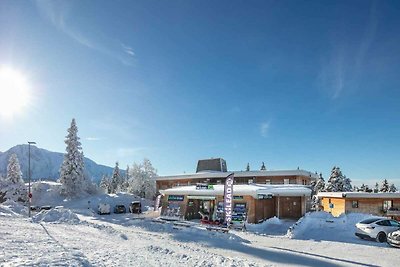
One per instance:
(268, 181)
(384, 223)
(395, 224)
(250, 181)
(286, 181)
(354, 204)
(387, 204)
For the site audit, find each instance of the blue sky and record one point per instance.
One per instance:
(292, 83)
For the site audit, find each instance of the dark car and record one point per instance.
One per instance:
(135, 207)
(119, 209)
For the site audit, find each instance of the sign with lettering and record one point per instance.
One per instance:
(175, 198)
(204, 186)
(237, 197)
(264, 196)
(228, 196)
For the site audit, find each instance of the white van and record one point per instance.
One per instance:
(103, 208)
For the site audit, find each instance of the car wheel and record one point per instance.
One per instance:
(381, 237)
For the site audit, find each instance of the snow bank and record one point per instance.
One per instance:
(323, 226)
(262, 227)
(60, 215)
(12, 208)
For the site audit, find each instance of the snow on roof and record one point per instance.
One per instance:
(214, 174)
(358, 195)
(241, 189)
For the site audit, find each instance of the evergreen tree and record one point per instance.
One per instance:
(363, 188)
(116, 180)
(392, 188)
(125, 183)
(142, 179)
(248, 167)
(338, 182)
(105, 184)
(72, 177)
(384, 186)
(316, 187)
(12, 187)
(376, 189)
(263, 168)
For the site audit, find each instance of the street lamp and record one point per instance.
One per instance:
(29, 176)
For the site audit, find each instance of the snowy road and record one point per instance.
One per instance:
(121, 242)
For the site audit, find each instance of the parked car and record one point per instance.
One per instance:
(35, 208)
(376, 228)
(135, 207)
(119, 209)
(47, 207)
(103, 208)
(393, 239)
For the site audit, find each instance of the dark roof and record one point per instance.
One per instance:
(217, 164)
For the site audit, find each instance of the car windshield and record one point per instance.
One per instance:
(371, 220)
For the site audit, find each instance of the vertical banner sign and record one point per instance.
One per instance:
(157, 203)
(228, 196)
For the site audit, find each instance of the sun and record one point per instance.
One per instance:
(14, 92)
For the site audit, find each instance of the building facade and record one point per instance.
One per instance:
(380, 204)
(258, 195)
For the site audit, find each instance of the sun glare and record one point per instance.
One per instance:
(14, 92)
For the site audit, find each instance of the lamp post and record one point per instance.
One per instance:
(29, 176)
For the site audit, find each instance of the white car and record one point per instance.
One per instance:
(393, 239)
(103, 208)
(376, 228)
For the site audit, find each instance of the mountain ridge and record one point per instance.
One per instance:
(46, 164)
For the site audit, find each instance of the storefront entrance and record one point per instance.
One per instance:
(200, 207)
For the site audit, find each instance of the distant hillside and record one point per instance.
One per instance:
(46, 164)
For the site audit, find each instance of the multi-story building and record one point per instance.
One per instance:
(261, 194)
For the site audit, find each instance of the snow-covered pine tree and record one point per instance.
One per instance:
(142, 179)
(72, 177)
(12, 187)
(316, 187)
(392, 188)
(125, 184)
(376, 189)
(363, 188)
(384, 186)
(105, 184)
(116, 180)
(347, 187)
(338, 182)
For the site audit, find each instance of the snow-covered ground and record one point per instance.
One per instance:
(75, 236)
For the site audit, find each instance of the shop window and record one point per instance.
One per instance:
(387, 204)
(286, 181)
(268, 181)
(218, 181)
(250, 181)
(354, 204)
